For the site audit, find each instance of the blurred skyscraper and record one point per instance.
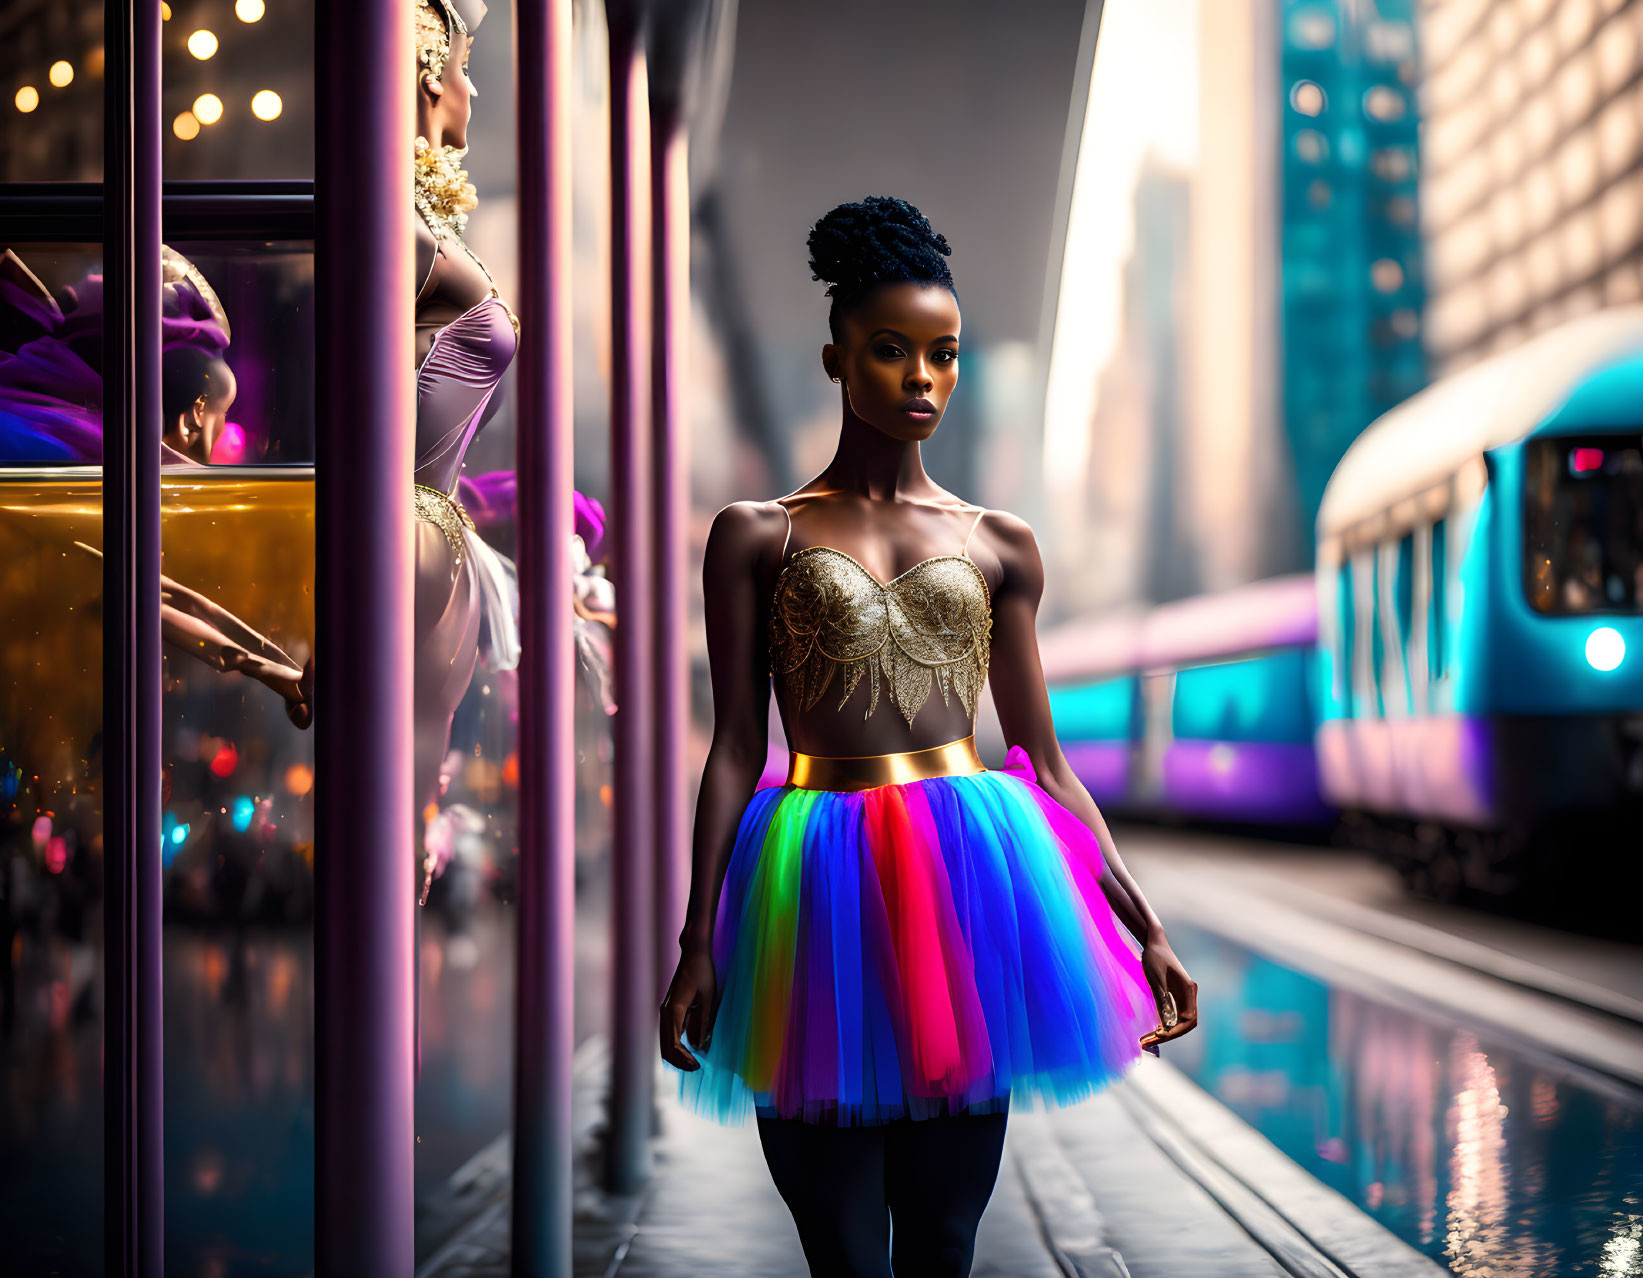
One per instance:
(1235, 466)
(1532, 182)
(1136, 543)
(1308, 285)
(1350, 249)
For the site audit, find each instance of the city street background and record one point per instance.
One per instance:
(1305, 334)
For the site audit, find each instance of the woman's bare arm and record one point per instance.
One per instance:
(208, 632)
(737, 647)
(1016, 675)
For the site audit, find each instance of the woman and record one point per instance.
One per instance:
(885, 953)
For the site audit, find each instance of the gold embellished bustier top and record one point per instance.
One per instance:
(931, 624)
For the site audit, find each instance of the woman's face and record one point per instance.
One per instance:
(898, 357)
(453, 108)
(195, 432)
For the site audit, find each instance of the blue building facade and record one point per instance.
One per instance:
(1352, 287)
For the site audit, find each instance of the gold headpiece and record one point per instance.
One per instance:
(433, 34)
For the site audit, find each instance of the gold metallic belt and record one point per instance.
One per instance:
(864, 771)
(439, 507)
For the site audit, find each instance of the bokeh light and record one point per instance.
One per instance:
(1387, 275)
(28, 97)
(1307, 98)
(208, 108)
(186, 126)
(61, 74)
(230, 445)
(266, 105)
(249, 10)
(1383, 103)
(202, 44)
(225, 760)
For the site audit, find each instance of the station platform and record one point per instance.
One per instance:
(1151, 1178)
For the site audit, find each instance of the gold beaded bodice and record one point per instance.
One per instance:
(930, 625)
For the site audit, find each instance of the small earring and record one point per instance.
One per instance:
(835, 379)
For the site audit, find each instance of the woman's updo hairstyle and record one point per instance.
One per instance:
(880, 240)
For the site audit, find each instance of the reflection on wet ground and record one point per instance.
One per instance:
(1491, 1161)
(239, 1054)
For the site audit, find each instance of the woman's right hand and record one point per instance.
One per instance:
(689, 1006)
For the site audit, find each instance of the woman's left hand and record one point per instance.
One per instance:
(1172, 990)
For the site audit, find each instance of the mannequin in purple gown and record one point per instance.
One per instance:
(466, 338)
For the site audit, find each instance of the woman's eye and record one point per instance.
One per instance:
(887, 351)
(945, 356)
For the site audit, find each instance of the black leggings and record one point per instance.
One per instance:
(844, 1185)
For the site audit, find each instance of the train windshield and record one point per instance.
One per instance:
(1583, 524)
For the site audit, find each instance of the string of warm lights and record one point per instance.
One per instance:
(207, 109)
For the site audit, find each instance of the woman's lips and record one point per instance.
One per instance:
(919, 408)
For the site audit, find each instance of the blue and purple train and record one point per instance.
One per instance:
(1458, 684)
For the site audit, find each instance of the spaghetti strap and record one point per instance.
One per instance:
(966, 550)
(789, 536)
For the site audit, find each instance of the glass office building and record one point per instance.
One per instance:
(1532, 167)
(1352, 281)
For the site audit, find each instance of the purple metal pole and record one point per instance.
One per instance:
(544, 1026)
(669, 450)
(133, 1028)
(634, 1014)
(364, 824)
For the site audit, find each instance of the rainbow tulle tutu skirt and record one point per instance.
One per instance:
(915, 949)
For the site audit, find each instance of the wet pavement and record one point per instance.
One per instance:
(1444, 1071)
(1089, 1190)
(1383, 1086)
(1151, 1178)
(239, 1098)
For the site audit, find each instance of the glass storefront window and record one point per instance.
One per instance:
(238, 98)
(1583, 524)
(238, 347)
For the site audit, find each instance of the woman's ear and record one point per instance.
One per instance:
(431, 86)
(830, 361)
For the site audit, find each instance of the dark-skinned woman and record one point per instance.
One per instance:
(896, 946)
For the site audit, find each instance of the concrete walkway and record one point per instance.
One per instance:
(1116, 1185)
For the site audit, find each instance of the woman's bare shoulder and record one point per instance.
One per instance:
(742, 532)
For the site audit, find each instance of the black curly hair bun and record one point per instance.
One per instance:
(879, 240)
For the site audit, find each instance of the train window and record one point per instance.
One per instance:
(237, 354)
(1263, 698)
(1403, 607)
(1099, 711)
(1583, 524)
(1346, 651)
(1403, 588)
(1436, 612)
(1377, 633)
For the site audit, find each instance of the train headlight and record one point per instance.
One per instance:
(1605, 648)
